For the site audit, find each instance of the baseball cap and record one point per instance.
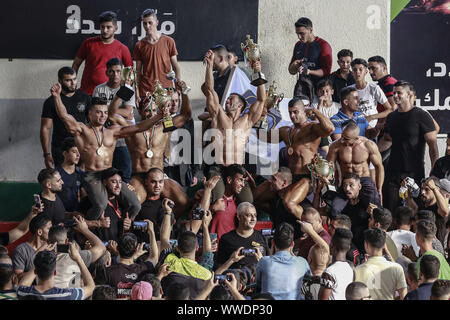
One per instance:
(107, 173)
(142, 290)
(445, 184)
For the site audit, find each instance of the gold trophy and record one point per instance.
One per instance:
(253, 54)
(171, 76)
(321, 168)
(162, 97)
(126, 91)
(273, 101)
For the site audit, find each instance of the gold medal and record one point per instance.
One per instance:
(149, 153)
(290, 151)
(101, 149)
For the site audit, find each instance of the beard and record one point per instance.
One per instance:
(67, 89)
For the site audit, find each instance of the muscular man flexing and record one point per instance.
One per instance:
(302, 141)
(233, 128)
(96, 145)
(353, 153)
(147, 149)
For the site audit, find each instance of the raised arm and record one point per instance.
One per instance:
(308, 228)
(114, 113)
(126, 131)
(325, 127)
(89, 284)
(212, 99)
(98, 248)
(166, 227)
(154, 253)
(186, 108)
(73, 126)
(257, 107)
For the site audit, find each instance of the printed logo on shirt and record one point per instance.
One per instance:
(81, 106)
(364, 106)
(124, 289)
(132, 276)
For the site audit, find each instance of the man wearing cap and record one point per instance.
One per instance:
(141, 290)
(434, 196)
(155, 56)
(311, 59)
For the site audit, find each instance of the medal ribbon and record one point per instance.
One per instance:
(116, 210)
(147, 141)
(100, 143)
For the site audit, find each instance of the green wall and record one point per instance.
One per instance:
(16, 199)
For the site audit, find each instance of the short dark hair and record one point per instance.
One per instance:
(323, 83)
(383, 216)
(155, 169)
(95, 101)
(177, 291)
(153, 280)
(346, 91)
(113, 62)
(148, 12)
(104, 292)
(234, 169)
(377, 59)
(6, 273)
(350, 125)
(303, 22)
(426, 229)
(220, 50)
(45, 264)
(284, 235)
(375, 237)
(426, 215)
(68, 143)
(345, 53)
(343, 220)
(56, 233)
(411, 271)
(342, 239)
(220, 293)
(351, 175)
(404, 215)
(241, 98)
(127, 245)
(46, 174)
(38, 222)
(403, 83)
(295, 100)
(440, 288)
(359, 61)
(353, 289)
(429, 266)
(107, 16)
(65, 70)
(187, 241)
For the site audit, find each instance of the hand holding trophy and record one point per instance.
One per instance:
(162, 99)
(273, 101)
(322, 170)
(128, 76)
(184, 88)
(253, 55)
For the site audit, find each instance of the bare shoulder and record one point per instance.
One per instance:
(370, 145)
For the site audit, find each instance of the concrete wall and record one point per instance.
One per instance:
(362, 26)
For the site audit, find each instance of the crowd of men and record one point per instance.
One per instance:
(117, 219)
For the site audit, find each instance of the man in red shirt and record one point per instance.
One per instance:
(311, 59)
(96, 51)
(155, 56)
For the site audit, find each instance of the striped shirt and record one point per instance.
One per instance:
(53, 293)
(339, 120)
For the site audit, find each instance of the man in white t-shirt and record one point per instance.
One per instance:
(370, 94)
(402, 236)
(339, 274)
(107, 91)
(325, 104)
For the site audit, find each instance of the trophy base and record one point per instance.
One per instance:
(125, 93)
(168, 125)
(262, 124)
(258, 78)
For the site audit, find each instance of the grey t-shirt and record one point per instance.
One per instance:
(68, 274)
(23, 257)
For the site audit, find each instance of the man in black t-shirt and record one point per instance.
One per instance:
(75, 102)
(441, 168)
(51, 183)
(407, 129)
(244, 236)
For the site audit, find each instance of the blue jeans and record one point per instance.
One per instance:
(122, 162)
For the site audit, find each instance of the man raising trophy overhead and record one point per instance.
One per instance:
(253, 55)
